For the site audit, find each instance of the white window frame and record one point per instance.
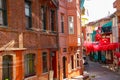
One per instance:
(69, 0)
(71, 24)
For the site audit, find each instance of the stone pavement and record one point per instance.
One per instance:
(99, 71)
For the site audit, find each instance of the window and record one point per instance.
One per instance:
(7, 69)
(77, 60)
(43, 18)
(29, 65)
(3, 12)
(79, 41)
(64, 49)
(69, 0)
(44, 62)
(28, 14)
(52, 20)
(71, 24)
(62, 23)
(72, 62)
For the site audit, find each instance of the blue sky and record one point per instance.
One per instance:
(98, 9)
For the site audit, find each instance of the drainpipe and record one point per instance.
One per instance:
(58, 48)
(81, 48)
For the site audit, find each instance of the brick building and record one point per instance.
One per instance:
(28, 39)
(116, 5)
(69, 17)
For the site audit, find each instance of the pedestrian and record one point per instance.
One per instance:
(95, 57)
(115, 63)
(85, 63)
(103, 59)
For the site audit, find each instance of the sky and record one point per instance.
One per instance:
(98, 9)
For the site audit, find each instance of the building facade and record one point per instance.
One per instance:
(28, 43)
(70, 55)
(117, 6)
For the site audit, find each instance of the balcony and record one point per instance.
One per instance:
(72, 40)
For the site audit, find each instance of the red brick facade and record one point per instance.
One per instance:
(41, 51)
(69, 46)
(16, 41)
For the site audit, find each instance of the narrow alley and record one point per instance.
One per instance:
(99, 71)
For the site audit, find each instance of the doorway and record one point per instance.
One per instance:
(64, 67)
(54, 64)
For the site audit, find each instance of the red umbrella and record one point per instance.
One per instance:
(104, 41)
(98, 37)
(105, 47)
(88, 46)
(113, 46)
(96, 47)
(110, 46)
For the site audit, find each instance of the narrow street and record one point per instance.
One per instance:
(99, 71)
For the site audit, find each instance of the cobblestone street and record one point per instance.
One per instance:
(99, 71)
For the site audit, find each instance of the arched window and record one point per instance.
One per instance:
(29, 63)
(7, 69)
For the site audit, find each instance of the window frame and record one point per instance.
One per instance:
(3, 10)
(44, 62)
(77, 60)
(71, 24)
(28, 58)
(62, 23)
(52, 20)
(7, 64)
(28, 17)
(69, 0)
(43, 18)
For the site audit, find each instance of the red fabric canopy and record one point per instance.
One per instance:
(103, 44)
(117, 54)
